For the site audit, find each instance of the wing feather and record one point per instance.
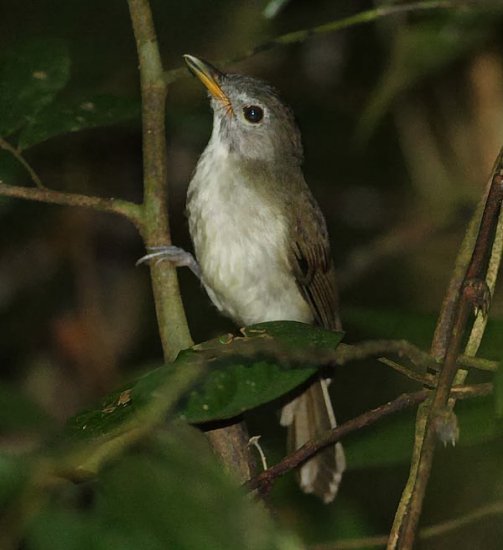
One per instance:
(312, 264)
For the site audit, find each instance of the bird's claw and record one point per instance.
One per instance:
(173, 254)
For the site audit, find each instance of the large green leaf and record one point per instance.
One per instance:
(65, 117)
(270, 360)
(30, 77)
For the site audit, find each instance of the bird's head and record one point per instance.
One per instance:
(249, 117)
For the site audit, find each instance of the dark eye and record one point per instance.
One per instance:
(253, 113)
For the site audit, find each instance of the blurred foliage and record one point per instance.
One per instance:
(421, 51)
(425, 90)
(173, 496)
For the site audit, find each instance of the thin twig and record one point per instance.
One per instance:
(371, 348)
(346, 353)
(343, 354)
(478, 363)
(295, 37)
(263, 482)
(129, 210)
(425, 379)
(479, 326)
(435, 418)
(6, 146)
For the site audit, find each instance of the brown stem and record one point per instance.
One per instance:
(436, 418)
(446, 320)
(129, 210)
(173, 328)
(263, 482)
(26, 165)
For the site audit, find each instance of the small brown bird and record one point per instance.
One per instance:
(261, 241)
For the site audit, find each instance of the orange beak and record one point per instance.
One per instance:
(209, 76)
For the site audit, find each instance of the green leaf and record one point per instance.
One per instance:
(244, 372)
(30, 77)
(63, 118)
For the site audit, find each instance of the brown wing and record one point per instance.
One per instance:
(311, 413)
(312, 264)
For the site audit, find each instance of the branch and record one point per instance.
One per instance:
(295, 37)
(229, 442)
(466, 289)
(173, 328)
(263, 482)
(129, 210)
(346, 353)
(6, 146)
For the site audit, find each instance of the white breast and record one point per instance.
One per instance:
(241, 245)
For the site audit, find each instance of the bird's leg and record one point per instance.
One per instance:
(174, 254)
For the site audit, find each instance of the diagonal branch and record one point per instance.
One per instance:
(435, 418)
(360, 18)
(264, 481)
(6, 146)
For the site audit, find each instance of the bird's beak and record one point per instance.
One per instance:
(210, 77)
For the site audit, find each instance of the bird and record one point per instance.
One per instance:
(261, 242)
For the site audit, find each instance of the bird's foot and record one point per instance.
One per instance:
(174, 254)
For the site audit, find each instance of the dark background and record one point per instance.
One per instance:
(401, 122)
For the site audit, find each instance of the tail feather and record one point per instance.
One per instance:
(308, 417)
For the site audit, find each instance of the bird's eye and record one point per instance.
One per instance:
(253, 113)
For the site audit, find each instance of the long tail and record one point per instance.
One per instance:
(307, 417)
